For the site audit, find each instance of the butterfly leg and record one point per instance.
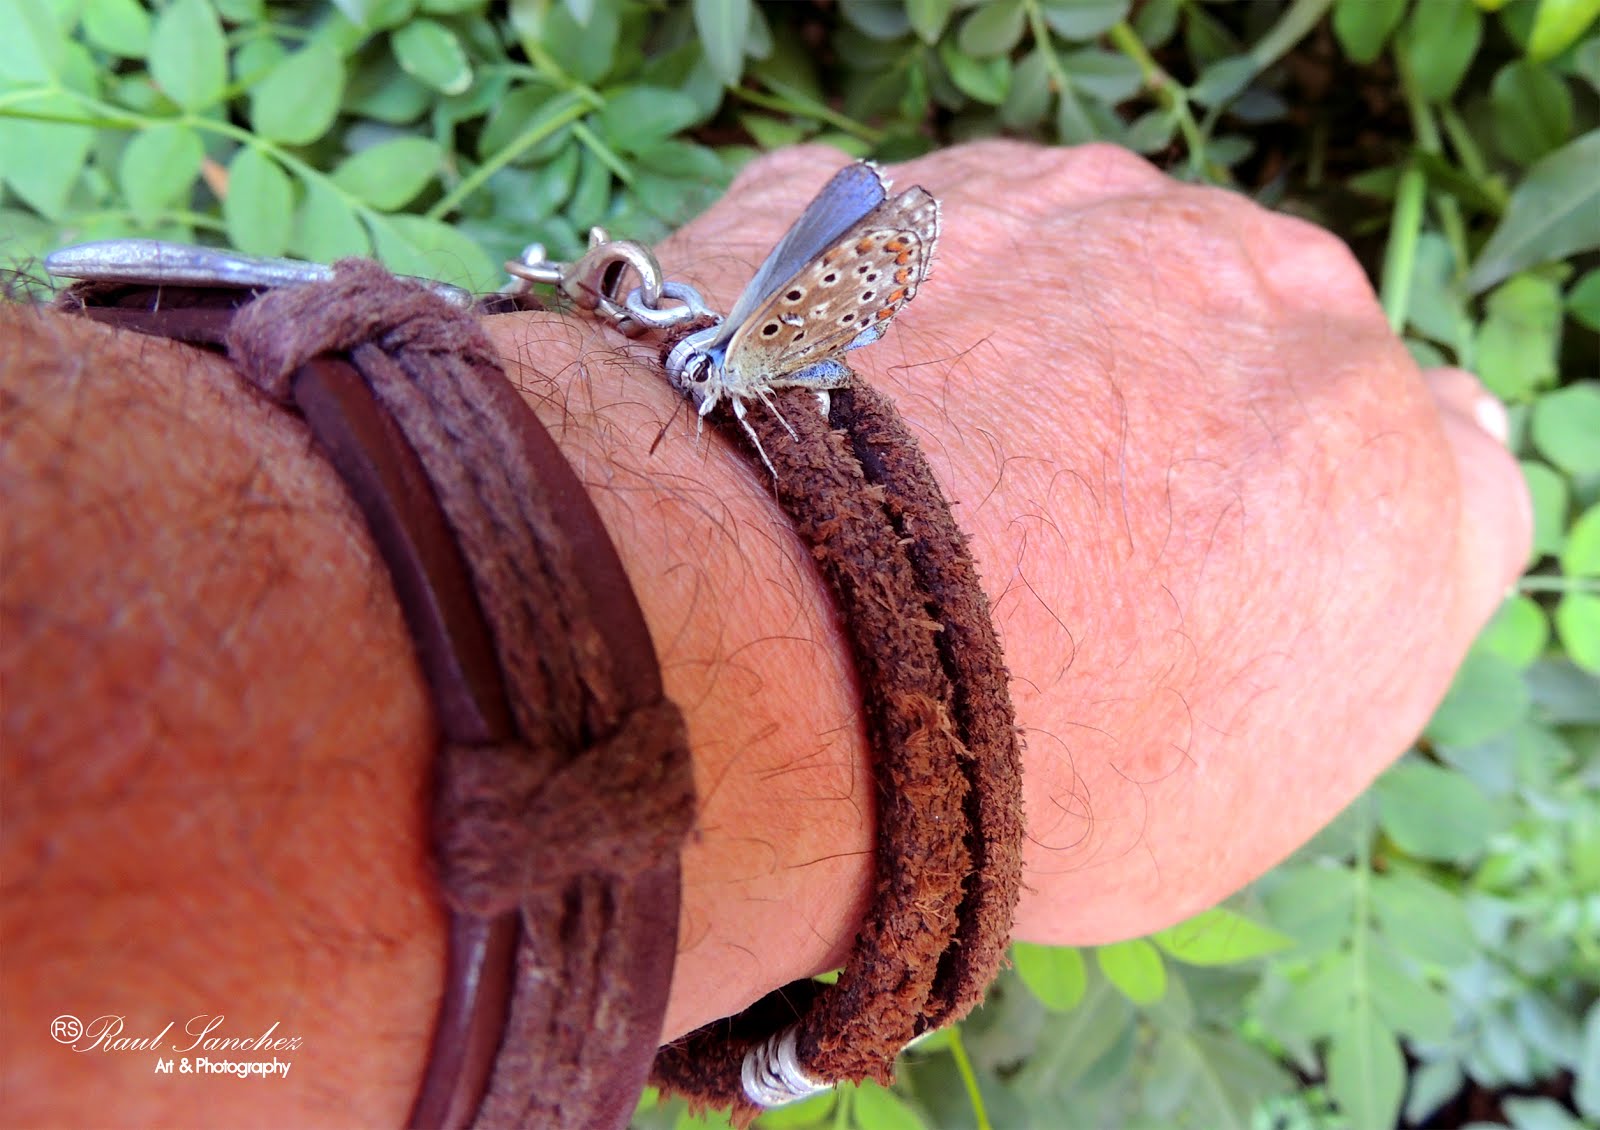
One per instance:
(772, 406)
(740, 415)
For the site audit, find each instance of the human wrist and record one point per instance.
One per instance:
(778, 869)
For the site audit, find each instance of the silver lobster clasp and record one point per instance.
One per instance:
(595, 283)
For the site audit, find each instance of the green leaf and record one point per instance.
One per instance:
(1028, 99)
(1519, 631)
(928, 17)
(430, 53)
(1155, 20)
(1553, 214)
(1366, 1073)
(1485, 699)
(1583, 300)
(299, 98)
(188, 55)
(983, 80)
(1220, 936)
(1438, 44)
(1080, 21)
(591, 192)
(1436, 308)
(875, 19)
(814, 1111)
(1433, 813)
(1152, 131)
(1539, 1114)
(1581, 555)
(1107, 75)
(120, 27)
(1078, 1039)
(1520, 337)
(159, 166)
(1410, 1004)
(1135, 968)
(724, 25)
(1054, 974)
(1577, 621)
(1432, 1085)
(1314, 904)
(1196, 1078)
(33, 44)
(39, 160)
(877, 1108)
(1220, 82)
(707, 1120)
(1305, 1008)
(1550, 496)
(379, 89)
(1566, 428)
(388, 175)
(1422, 920)
(585, 50)
(259, 206)
(414, 245)
(1364, 26)
(637, 117)
(993, 29)
(1532, 111)
(241, 11)
(1558, 25)
(327, 228)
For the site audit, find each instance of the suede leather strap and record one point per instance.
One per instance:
(563, 787)
(946, 757)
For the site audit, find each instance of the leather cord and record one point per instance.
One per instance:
(563, 787)
(945, 752)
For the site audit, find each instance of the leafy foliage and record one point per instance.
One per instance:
(1443, 932)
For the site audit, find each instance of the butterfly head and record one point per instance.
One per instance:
(694, 368)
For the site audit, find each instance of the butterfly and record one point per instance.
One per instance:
(849, 264)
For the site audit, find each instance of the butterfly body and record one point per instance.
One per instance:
(849, 264)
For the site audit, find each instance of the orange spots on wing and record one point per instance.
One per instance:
(895, 243)
(864, 245)
(896, 297)
(903, 258)
(903, 276)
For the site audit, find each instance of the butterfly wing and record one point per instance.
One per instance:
(844, 201)
(843, 298)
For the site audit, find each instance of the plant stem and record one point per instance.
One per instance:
(969, 1078)
(548, 124)
(1167, 90)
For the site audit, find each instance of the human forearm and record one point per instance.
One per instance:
(1229, 561)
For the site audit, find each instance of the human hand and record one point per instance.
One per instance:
(1236, 543)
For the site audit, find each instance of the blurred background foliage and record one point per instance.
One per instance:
(1430, 959)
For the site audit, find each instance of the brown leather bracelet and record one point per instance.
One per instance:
(945, 754)
(563, 786)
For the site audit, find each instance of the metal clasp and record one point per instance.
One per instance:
(595, 283)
